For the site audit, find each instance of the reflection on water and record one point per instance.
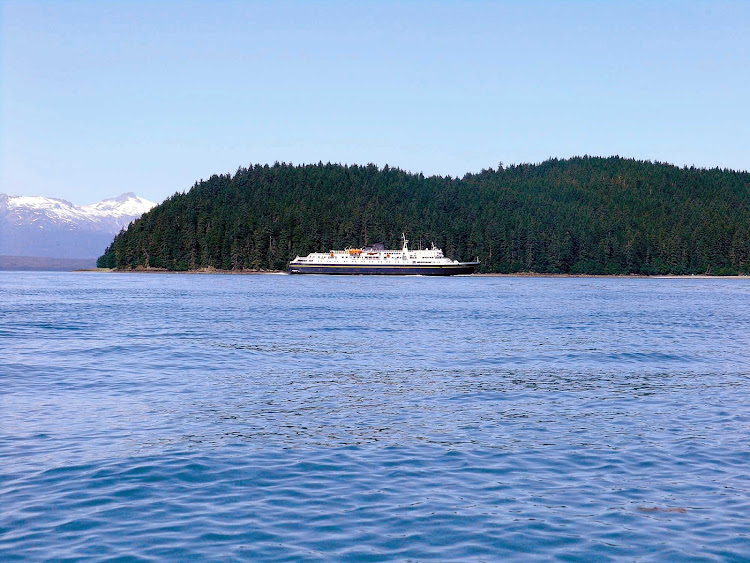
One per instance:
(314, 417)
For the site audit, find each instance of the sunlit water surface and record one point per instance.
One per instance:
(313, 417)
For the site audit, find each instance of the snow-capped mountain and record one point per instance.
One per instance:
(55, 228)
(127, 208)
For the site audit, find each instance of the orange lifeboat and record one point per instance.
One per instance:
(355, 251)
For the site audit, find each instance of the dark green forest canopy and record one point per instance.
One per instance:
(581, 215)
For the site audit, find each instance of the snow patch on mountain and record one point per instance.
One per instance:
(56, 228)
(109, 215)
(127, 205)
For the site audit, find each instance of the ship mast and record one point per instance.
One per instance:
(406, 242)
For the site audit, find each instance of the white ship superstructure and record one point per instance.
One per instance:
(376, 259)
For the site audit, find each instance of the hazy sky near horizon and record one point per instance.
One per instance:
(101, 98)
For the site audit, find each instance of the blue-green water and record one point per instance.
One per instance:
(284, 417)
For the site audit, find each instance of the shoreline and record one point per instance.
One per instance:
(623, 276)
(212, 271)
(201, 271)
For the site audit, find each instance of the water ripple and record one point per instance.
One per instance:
(287, 418)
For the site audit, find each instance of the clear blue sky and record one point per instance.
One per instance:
(100, 98)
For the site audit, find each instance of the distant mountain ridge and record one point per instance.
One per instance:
(39, 226)
(35, 263)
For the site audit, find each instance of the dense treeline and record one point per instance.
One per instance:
(582, 215)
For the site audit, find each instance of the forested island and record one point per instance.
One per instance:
(584, 215)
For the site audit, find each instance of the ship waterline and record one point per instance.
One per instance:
(376, 260)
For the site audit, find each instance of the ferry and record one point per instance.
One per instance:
(375, 259)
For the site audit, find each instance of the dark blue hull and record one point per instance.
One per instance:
(413, 270)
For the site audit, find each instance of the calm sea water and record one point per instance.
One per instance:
(282, 417)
